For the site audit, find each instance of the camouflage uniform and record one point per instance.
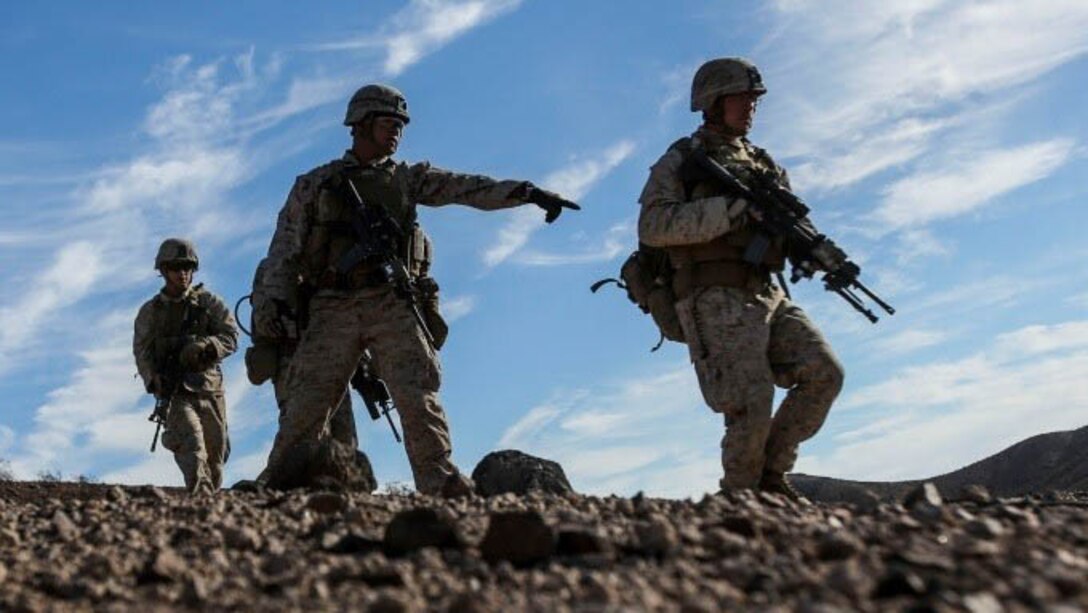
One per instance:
(743, 334)
(350, 313)
(342, 421)
(196, 424)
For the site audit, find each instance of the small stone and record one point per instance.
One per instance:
(742, 525)
(65, 528)
(976, 493)
(581, 541)
(349, 543)
(241, 537)
(986, 528)
(926, 493)
(164, 565)
(519, 537)
(421, 527)
(117, 495)
(849, 579)
(657, 537)
(3, 573)
(899, 582)
(388, 603)
(837, 545)
(982, 602)
(327, 503)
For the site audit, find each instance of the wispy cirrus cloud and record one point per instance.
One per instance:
(617, 241)
(457, 307)
(68, 280)
(422, 27)
(906, 73)
(572, 182)
(932, 195)
(909, 341)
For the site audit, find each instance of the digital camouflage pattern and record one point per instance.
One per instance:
(196, 425)
(742, 340)
(343, 323)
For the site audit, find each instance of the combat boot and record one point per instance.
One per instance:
(776, 483)
(457, 486)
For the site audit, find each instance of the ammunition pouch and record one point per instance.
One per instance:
(262, 361)
(432, 315)
(721, 263)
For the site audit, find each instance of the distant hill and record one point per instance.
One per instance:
(1043, 463)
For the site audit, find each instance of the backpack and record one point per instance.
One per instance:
(647, 277)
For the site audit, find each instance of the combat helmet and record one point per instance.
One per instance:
(376, 99)
(722, 76)
(174, 250)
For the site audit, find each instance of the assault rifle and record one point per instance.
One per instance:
(374, 392)
(378, 238)
(780, 213)
(170, 375)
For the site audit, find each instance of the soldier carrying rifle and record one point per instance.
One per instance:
(346, 232)
(181, 337)
(722, 211)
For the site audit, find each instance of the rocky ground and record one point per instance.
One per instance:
(66, 546)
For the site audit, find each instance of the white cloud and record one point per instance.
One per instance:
(457, 307)
(529, 426)
(919, 243)
(868, 155)
(186, 178)
(1029, 381)
(929, 196)
(904, 72)
(72, 276)
(618, 240)
(573, 182)
(513, 236)
(422, 27)
(73, 425)
(908, 341)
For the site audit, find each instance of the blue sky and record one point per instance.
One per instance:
(942, 143)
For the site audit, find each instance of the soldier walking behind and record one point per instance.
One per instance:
(181, 336)
(744, 334)
(344, 235)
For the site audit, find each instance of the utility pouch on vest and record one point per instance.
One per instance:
(262, 359)
(432, 315)
(647, 277)
(647, 274)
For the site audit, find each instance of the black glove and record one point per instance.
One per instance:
(552, 203)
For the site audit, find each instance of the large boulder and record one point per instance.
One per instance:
(506, 471)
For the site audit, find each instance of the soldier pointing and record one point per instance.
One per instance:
(345, 237)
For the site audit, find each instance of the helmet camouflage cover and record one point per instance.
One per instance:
(174, 250)
(376, 99)
(722, 76)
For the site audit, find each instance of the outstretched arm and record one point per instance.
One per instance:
(435, 187)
